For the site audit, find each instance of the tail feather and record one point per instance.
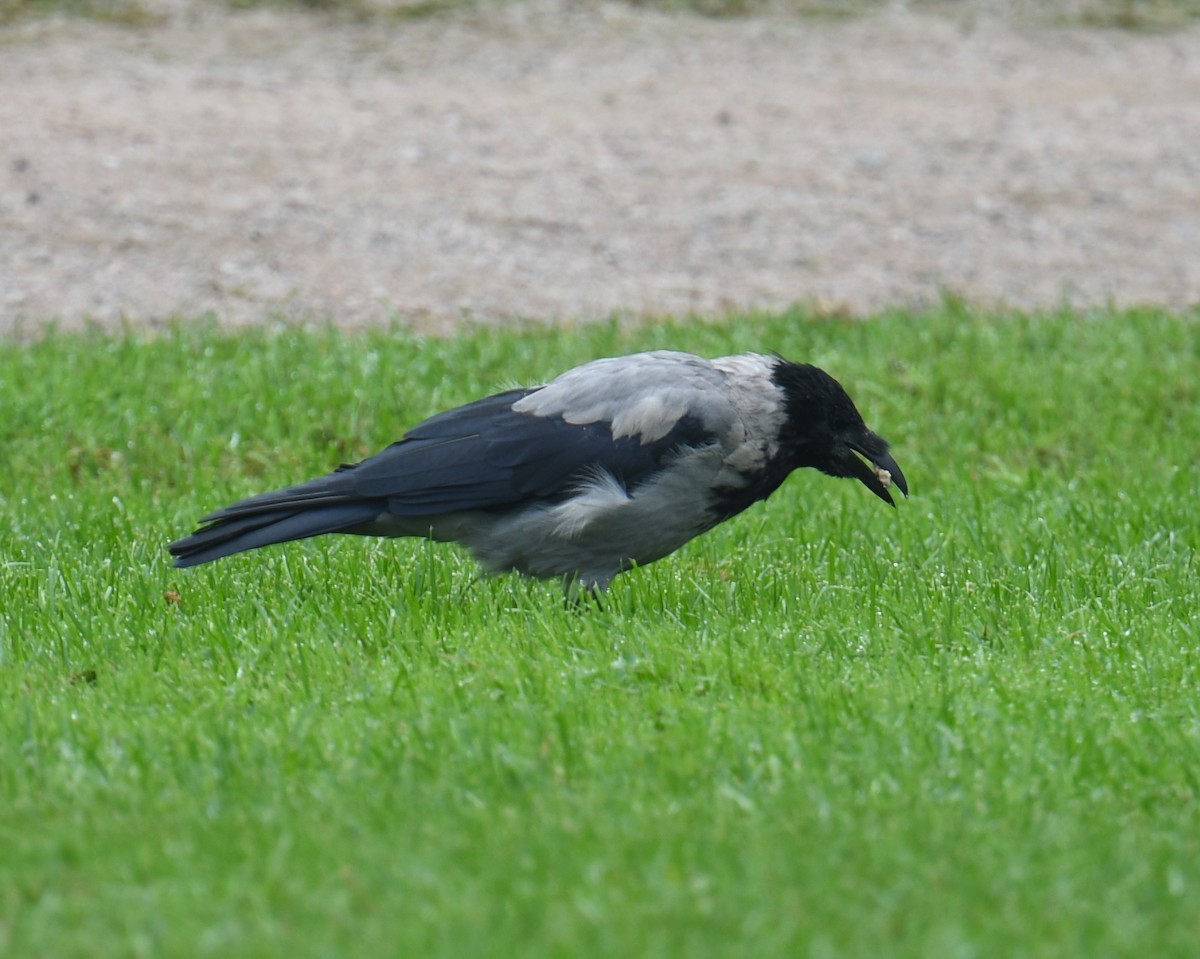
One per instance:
(235, 533)
(334, 489)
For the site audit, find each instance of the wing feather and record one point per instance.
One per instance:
(623, 416)
(507, 458)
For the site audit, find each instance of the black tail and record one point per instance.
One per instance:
(311, 509)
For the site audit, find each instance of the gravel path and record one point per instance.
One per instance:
(565, 161)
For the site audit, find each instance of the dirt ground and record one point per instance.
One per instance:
(564, 161)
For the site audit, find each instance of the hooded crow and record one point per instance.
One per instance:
(614, 464)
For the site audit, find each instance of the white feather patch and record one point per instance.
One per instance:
(598, 498)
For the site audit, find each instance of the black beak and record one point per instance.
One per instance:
(877, 471)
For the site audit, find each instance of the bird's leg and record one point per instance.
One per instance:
(574, 591)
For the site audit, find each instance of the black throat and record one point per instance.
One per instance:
(729, 501)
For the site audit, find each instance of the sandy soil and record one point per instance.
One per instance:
(566, 161)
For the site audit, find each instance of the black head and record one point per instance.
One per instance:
(824, 430)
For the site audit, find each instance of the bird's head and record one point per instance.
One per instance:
(824, 430)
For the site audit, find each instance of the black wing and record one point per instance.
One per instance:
(483, 455)
(486, 455)
(479, 456)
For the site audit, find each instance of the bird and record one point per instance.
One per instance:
(613, 465)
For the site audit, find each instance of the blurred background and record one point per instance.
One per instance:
(442, 161)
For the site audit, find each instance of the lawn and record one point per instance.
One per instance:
(967, 727)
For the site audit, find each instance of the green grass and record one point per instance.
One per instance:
(969, 727)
